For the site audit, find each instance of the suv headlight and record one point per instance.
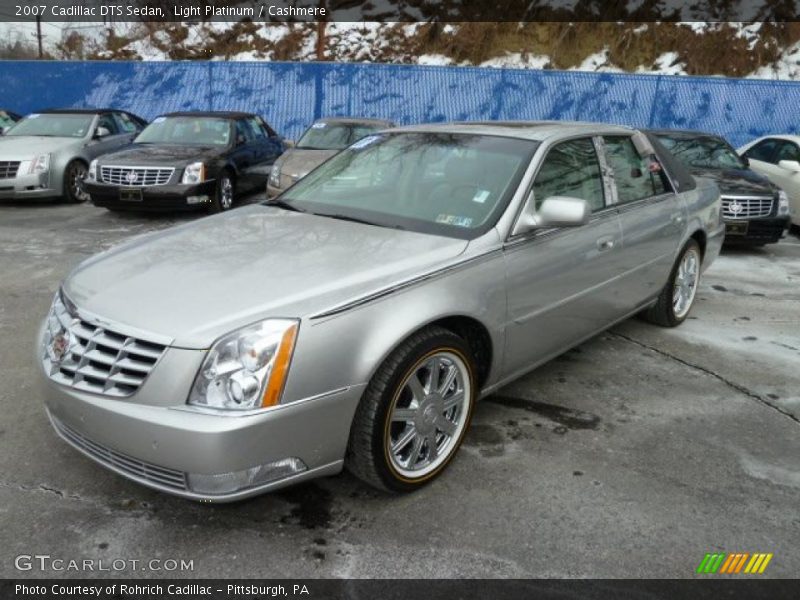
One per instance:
(92, 174)
(194, 173)
(783, 203)
(247, 368)
(40, 164)
(275, 175)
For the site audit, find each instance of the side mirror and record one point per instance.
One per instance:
(240, 140)
(556, 211)
(745, 160)
(101, 132)
(289, 143)
(790, 165)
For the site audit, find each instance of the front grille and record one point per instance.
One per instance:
(163, 476)
(746, 207)
(94, 359)
(136, 176)
(8, 169)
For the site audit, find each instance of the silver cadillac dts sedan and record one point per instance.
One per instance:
(355, 320)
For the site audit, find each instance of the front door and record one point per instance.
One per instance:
(560, 281)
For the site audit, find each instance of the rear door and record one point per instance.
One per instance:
(560, 281)
(653, 219)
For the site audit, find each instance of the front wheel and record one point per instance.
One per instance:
(677, 297)
(414, 413)
(224, 193)
(74, 176)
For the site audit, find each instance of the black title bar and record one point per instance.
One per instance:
(399, 10)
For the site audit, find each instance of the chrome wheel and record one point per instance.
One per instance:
(429, 414)
(76, 177)
(686, 280)
(226, 193)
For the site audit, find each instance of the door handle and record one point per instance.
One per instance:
(605, 243)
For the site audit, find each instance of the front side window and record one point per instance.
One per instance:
(108, 122)
(763, 151)
(187, 131)
(633, 178)
(324, 135)
(126, 124)
(449, 184)
(74, 125)
(256, 131)
(570, 169)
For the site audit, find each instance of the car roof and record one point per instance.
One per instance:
(356, 121)
(684, 133)
(77, 111)
(530, 130)
(219, 114)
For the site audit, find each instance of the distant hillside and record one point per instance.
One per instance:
(764, 50)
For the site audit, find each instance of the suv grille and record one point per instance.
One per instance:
(127, 464)
(8, 169)
(746, 207)
(94, 359)
(136, 176)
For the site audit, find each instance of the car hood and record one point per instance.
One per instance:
(22, 147)
(160, 154)
(195, 282)
(297, 163)
(738, 181)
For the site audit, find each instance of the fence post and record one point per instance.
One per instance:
(654, 101)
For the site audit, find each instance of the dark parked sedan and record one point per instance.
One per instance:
(756, 211)
(7, 119)
(187, 160)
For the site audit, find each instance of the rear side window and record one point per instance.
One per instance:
(763, 151)
(631, 174)
(787, 151)
(570, 169)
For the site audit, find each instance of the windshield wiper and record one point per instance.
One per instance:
(341, 217)
(284, 204)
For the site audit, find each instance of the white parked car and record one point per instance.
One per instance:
(778, 158)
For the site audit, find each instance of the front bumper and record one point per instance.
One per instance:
(175, 197)
(28, 186)
(767, 230)
(160, 442)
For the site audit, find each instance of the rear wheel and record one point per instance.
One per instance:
(74, 176)
(677, 297)
(414, 413)
(224, 194)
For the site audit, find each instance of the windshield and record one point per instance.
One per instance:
(448, 184)
(187, 131)
(53, 125)
(334, 136)
(703, 152)
(5, 119)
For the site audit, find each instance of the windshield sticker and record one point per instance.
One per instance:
(454, 220)
(367, 141)
(159, 119)
(319, 126)
(481, 196)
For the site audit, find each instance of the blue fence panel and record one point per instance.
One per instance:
(291, 95)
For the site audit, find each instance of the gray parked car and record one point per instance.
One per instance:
(47, 154)
(322, 140)
(356, 320)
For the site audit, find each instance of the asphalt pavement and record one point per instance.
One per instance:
(632, 455)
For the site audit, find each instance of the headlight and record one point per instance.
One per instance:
(40, 164)
(275, 175)
(194, 173)
(246, 369)
(783, 203)
(92, 175)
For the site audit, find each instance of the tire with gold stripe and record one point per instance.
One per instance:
(414, 413)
